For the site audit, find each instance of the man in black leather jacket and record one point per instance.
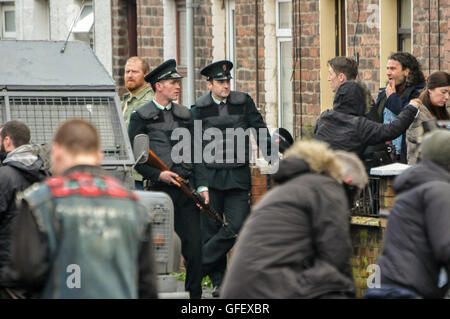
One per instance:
(344, 127)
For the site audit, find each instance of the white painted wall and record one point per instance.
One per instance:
(218, 31)
(103, 33)
(170, 30)
(52, 20)
(32, 19)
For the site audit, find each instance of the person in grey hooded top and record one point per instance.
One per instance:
(21, 167)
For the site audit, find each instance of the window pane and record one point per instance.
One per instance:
(405, 21)
(85, 21)
(10, 21)
(406, 45)
(284, 15)
(86, 11)
(182, 37)
(287, 115)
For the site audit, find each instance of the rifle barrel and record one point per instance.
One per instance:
(155, 161)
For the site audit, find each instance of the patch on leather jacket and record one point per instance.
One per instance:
(87, 184)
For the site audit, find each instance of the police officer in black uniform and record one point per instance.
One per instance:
(158, 119)
(228, 181)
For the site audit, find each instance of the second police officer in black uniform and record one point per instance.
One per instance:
(228, 181)
(158, 119)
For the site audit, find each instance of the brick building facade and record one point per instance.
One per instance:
(316, 30)
(280, 49)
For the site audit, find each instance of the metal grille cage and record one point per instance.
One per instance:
(368, 203)
(43, 114)
(166, 249)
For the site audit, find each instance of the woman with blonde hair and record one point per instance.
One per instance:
(432, 104)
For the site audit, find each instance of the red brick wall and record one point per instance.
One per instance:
(364, 38)
(150, 21)
(260, 185)
(446, 65)
(120, 45)
(149, 36)
(202, 43)
(306, 84)
(426, 32)
(246, 56)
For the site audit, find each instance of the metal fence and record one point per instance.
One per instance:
(368, 203)
(167, 247)
(43, 114)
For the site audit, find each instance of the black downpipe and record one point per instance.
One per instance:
(429, 37)
(439, 33)
(257, 57)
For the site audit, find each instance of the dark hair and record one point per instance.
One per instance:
(17, 131)
(435, 80)
(407, 60)
(342, 64)
(78, 137)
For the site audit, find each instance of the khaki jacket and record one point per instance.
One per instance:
(414, 134)
(129, 105)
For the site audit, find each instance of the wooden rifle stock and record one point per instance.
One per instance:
(156, 162)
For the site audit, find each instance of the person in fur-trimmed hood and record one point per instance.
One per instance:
(296, 242)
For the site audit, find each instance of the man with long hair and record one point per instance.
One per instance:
(405, 81)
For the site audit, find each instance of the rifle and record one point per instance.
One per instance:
(145, 155)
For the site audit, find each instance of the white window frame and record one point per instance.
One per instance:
(279, 62)
(230, 7)
(283, 35)
(281, 32)
(5, 8)
(85, 25)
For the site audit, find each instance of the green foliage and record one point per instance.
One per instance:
(206, 282)
(179, 275)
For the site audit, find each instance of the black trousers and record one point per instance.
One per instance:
(217, 241)
(187, 227)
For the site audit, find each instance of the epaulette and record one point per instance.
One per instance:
(181, 111)
(204, 100)
(148, 111)
(237, 97)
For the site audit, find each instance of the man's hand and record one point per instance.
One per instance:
(390, 88)
(205, 196)
(169, 177)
